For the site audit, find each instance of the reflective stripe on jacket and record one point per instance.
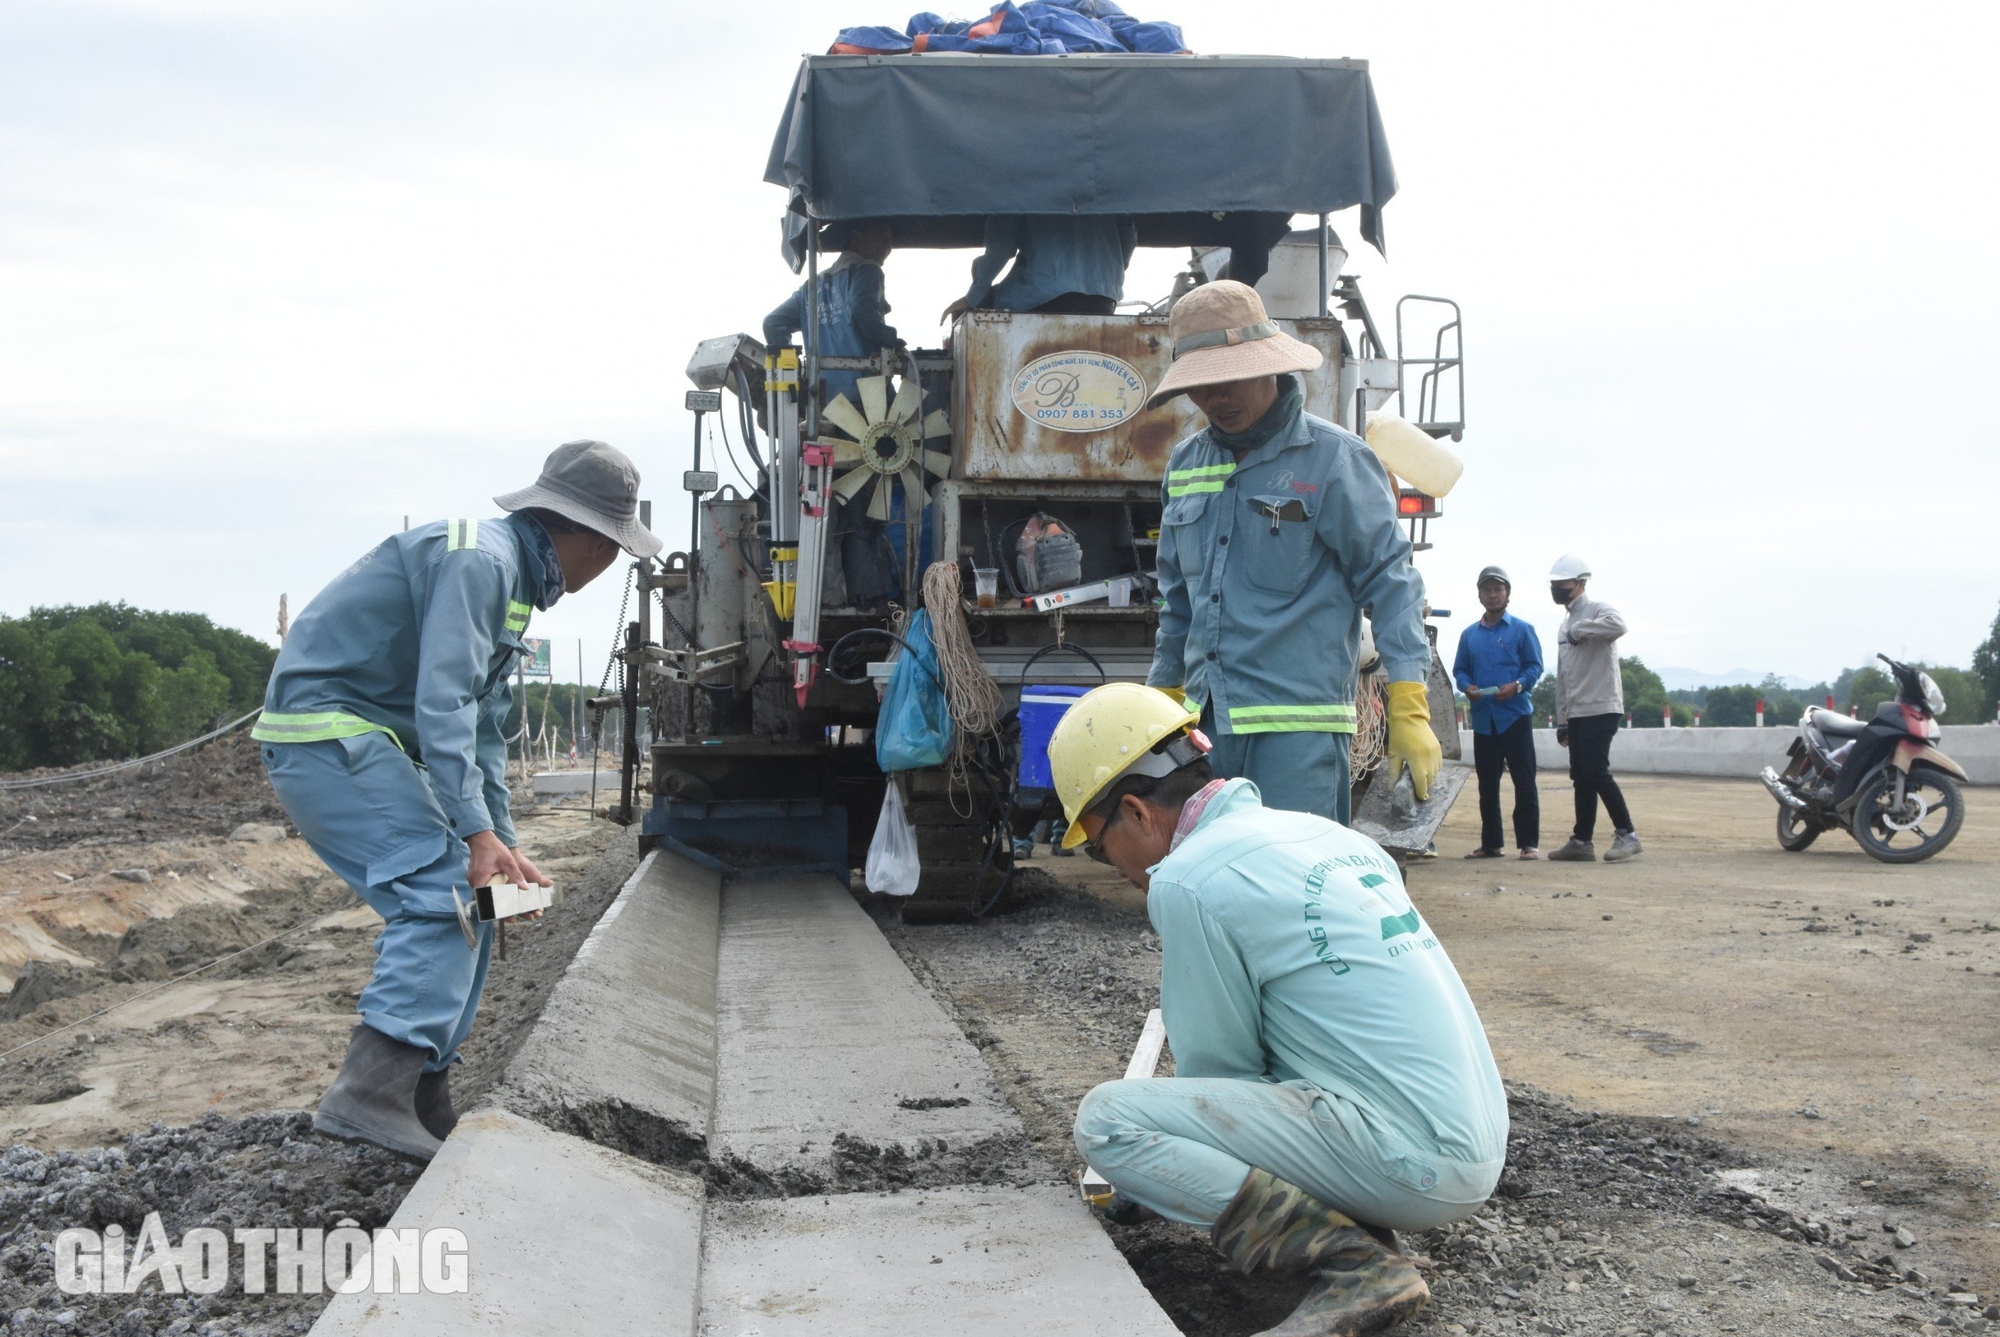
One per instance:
(1265, 565)
(416, 640)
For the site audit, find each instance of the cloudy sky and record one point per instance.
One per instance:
(274, 276)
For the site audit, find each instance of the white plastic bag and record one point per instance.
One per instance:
(893, 867)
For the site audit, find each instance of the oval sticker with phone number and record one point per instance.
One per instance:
(1079, 391)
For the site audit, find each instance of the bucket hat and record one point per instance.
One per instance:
(1221, 333)
(594, 485)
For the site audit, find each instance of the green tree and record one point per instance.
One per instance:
(1731, 707)
(1867, 689)
(85, 684)
(1544, 700)
(1645, 694)
(1986, 663)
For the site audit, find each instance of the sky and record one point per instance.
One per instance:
(273, 277)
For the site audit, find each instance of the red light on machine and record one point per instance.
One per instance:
(1414, 505)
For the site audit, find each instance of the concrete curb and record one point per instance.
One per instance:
(625, 1051)
(824, 1033)
(561, 1237)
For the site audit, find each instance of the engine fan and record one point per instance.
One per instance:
(885, 442)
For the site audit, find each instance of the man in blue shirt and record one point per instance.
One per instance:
(1068, 264)
(1499, 661)
(383, 732)
(1332, 1081)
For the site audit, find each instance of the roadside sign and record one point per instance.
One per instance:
(540, 662)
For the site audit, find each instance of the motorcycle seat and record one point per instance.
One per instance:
(1835, 725)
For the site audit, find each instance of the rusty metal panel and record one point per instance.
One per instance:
(1043, 397)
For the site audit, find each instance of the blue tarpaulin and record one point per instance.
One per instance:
(1037, 28)
(1195, 150)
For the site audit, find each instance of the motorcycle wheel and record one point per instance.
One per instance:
(1795, 829)
(1933, 809)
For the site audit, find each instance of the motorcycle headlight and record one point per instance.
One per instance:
(1932, 696)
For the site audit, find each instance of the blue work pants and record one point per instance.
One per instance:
(368, 812)
(1303, 771)
(1183, 1146)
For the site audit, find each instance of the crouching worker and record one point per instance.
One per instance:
(382, 734)
(1332, 1081)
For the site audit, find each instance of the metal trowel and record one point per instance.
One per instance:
(1392, 817)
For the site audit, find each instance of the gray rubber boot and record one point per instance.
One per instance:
(1624, 847)
(1577, 851)
(374, 1097)
(434, 1109)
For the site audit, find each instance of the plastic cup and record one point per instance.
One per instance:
(986, 586)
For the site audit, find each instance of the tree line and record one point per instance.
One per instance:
(112, 681)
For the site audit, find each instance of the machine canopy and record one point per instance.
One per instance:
(1197, 150)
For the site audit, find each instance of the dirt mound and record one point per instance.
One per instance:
(45, 982)
(207, 792)
(159, 949)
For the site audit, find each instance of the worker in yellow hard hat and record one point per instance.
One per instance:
(1329, 1068)
(1278, 529)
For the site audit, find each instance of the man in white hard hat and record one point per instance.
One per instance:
(1333, 1083)
(1278, 529)
(1590, 707)
(383, 735)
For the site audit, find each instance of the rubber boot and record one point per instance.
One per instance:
(1360, 1285)
(374, 1097)
(434, 1109)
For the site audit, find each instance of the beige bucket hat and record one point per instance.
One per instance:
(595, 485)
(1220, 333)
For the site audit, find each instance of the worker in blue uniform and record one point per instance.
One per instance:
(1332, 1081)
(1072, 264)
(853, 311)
(1278, 530)
(382, 733)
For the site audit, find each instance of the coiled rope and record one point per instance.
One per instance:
(974, 698)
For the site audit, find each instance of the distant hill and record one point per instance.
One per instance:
(1686, 679)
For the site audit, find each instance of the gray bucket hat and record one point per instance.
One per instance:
(594, 485)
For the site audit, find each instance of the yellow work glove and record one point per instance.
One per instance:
(1410, 736)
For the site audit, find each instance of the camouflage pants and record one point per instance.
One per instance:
(1183, 1146)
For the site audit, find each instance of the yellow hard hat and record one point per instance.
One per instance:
(1108, 732)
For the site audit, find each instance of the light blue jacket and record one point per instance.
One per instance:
(1291, 953)
(417, 640)
(1052, 255)
(1265, 625)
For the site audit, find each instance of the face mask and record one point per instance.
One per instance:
(1562, 594)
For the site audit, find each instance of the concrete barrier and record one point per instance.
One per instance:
(1741, 753)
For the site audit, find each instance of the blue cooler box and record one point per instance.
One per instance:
(1041, 708)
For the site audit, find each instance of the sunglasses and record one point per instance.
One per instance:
(1095, 848)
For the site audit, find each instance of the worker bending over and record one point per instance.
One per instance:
(1069, 264)
(1278, 529)
(1332, 1081)
(382, 731)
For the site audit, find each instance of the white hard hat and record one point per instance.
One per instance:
(1570, 567)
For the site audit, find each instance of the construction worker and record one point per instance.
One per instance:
(382, 735)
(1590, 707)
(1072, 264)
(1332, 1082)
(853, 311)
(1278, 529)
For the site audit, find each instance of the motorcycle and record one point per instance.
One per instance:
(1907, 804)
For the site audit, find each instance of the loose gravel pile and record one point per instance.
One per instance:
(207, 792)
